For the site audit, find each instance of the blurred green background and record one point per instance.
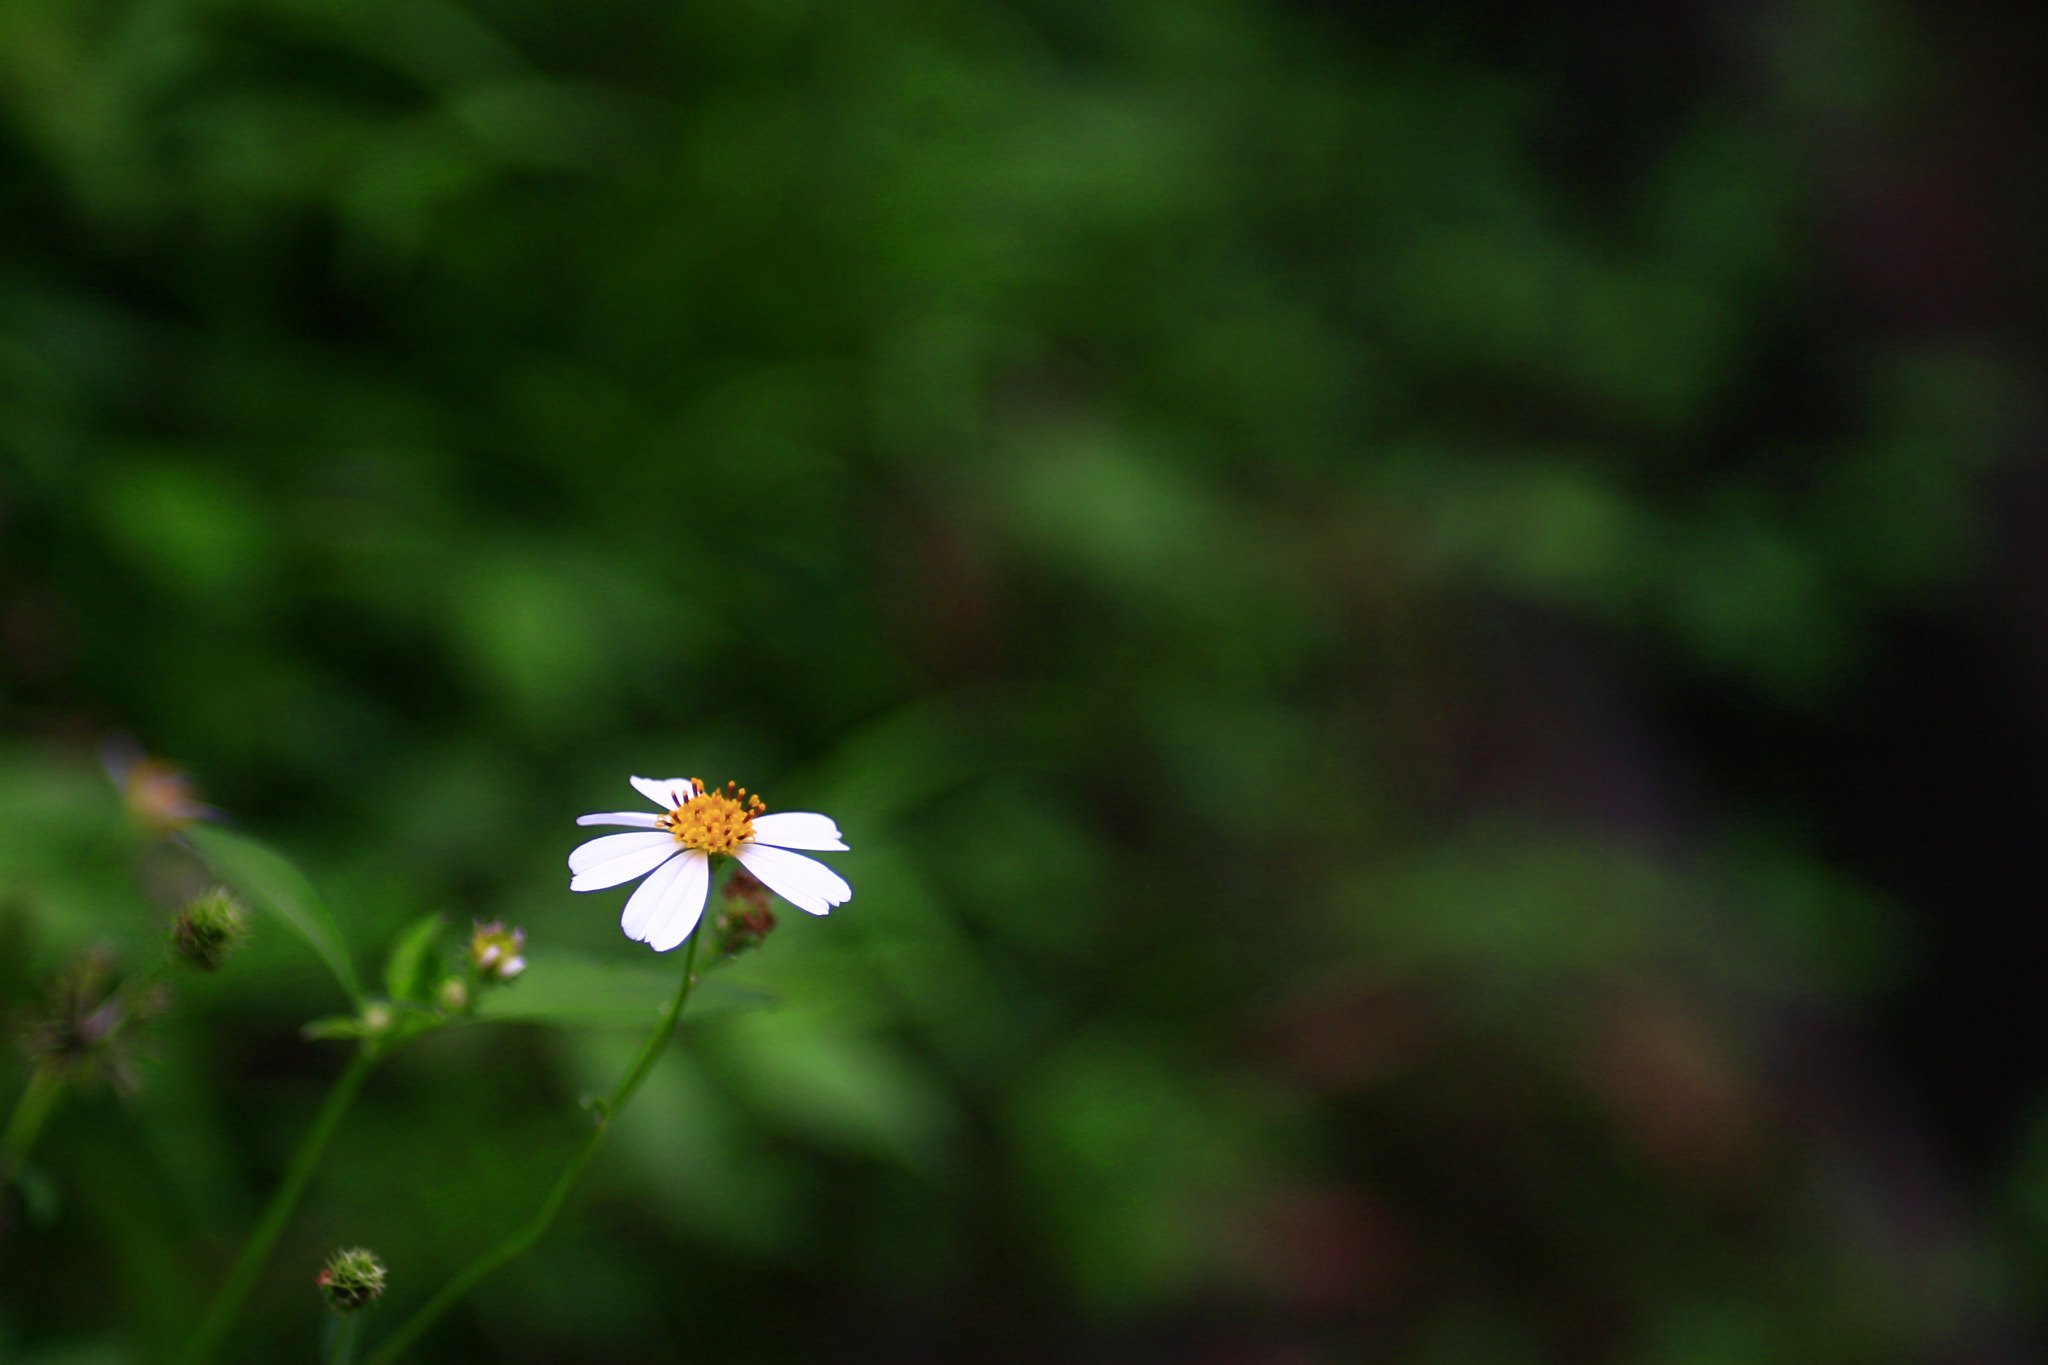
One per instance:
(1352, 576)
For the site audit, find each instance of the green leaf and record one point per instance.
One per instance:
(579, 992)
(389, 1022)
(274, 883)
(408, 954)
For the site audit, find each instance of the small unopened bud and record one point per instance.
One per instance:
(740, 930)
(495, 951)
(377, 1020)
(747, 918)
(351, 1280)
(209, 928)
(453, 995)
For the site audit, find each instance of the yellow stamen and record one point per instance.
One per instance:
(717, 822)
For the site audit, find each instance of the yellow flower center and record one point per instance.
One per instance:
(717, 822)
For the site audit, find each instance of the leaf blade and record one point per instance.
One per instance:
(408, 954)
(275, 883)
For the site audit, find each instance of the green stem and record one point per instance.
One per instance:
(38, 1100)
(46, 1086)
(338, 1338)
(220, 1316)
(142, 979)
(525, 1237)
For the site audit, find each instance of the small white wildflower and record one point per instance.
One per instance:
(495, 951)
(675, 853)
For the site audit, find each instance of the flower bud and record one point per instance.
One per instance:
(747, 918)
(209, 928)
(494, 950)
(452, 996)
(352, 1278)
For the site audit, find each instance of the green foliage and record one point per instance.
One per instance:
(411, 953)
(567, 988)
(276, 885)
(1129, 464)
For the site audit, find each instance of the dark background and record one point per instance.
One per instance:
(1428, 625)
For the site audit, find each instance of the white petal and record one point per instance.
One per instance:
(798, 829)
(640, 905)
(622, 868)
(804, 882)
(587, 855)
(638, 819)
(644, 905)
(668, 793)
(678, 911)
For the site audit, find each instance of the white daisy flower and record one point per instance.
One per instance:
(675, 853)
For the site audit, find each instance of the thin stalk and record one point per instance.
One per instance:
(38, 1100)
(220, 1316)
(523, 1239)
(338, 1338)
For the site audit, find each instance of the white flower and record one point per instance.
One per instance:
(675, 856)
